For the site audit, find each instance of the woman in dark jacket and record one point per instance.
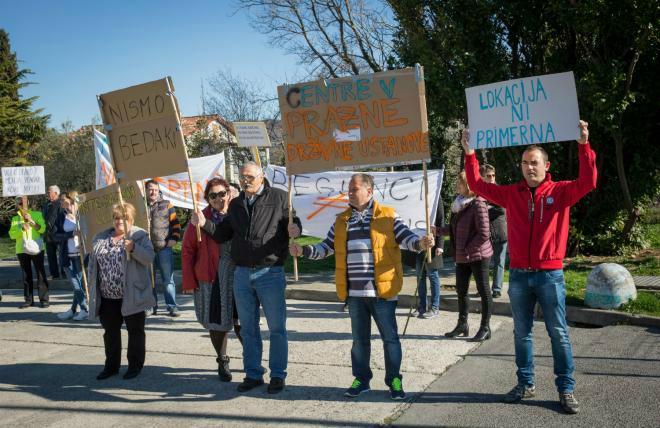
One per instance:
(208, 273)
(469, 232)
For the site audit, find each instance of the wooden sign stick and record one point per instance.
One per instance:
(175, 106)
(429, 257)
(82, 252)
(292, 240)
(108, 130)
(255, 153)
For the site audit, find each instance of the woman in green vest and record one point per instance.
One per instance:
(27, 226)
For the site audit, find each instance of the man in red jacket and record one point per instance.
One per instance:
(537, 213)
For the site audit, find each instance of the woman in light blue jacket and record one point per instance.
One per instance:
(120, 289)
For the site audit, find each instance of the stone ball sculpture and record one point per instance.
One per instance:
(609, 286)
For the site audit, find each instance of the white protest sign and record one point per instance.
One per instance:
(532, 110)
(319, 197)
(23, 181)
(251, 134)
(176, 188)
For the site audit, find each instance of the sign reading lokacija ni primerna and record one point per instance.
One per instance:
(532, 110)
(95, 209)
(366, 120)
(142, 127)
(251, 134)
(23, 181)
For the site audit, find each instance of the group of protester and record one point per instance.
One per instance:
(237, 267)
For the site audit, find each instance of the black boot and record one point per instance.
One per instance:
(223, 369)
(462, 329)
(482, 334)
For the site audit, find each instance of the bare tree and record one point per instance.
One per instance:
(239, 99)
(333, 38)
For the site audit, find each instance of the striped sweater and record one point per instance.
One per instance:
(360, 258)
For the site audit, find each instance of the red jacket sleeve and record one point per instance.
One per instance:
(586, 181)
(492, 192)
(189, 249)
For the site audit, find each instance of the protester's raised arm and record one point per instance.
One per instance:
(588, 174)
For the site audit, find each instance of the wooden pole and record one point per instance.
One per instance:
(292, 240)
(175, 106)
(146, 208)
(81, 254)
(255, 154)
(117, 174)
(429, 258)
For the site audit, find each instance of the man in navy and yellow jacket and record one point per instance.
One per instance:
(366, 240)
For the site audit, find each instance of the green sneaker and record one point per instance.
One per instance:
(396, 389)
(357, 388)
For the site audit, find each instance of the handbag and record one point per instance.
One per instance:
(30, 246)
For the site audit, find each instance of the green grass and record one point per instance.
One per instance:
(647, 303)
(7, 248)
(652, 233)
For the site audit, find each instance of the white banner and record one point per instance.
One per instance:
(23, 181)
(533, 110)
(176, 187)
(319, 197)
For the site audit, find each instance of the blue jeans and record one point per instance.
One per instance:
(361, 310)
(434, 278)
(265, 285)
(548, 289)
(497, 262)
(163, 261)
(74, 271)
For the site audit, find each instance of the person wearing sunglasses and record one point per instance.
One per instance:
(208, 273)
(257, 223)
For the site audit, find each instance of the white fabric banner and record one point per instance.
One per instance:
(319, 197)
(176, 187)
(105, 173)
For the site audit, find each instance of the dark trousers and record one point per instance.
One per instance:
(26, 261)
(112, 320)
(480, 271)
(53, 266)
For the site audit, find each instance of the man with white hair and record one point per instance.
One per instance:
(53, 215)
(257, 225)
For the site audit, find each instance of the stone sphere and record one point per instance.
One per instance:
(609, 286)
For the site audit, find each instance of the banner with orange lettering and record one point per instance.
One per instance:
(176, 187)
(358, 121)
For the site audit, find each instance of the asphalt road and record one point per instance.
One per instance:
(617, 375)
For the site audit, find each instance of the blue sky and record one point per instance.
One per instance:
(78, 49)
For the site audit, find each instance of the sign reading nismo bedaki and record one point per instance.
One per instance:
(366, 120)
(141, 122)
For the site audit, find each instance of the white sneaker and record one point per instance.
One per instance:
(81, 316)
(65, 315)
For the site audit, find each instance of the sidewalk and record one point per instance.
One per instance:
(321, 287)
(48, 369)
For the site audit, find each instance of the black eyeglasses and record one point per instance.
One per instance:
(220, 194)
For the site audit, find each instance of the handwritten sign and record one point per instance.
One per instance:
(366, 120)
(318, 198)
(95, 209)
(251, 134)
(142, 124)
(23, 181)
(533, 110)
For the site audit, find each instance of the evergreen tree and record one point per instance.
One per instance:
(20, 125)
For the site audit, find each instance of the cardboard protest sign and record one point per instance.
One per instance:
(533, 110)
(366, 120)
(176, 188)
(318, 198)
(95, 209)
(142, 124)
(251, 134)
(23, 181)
